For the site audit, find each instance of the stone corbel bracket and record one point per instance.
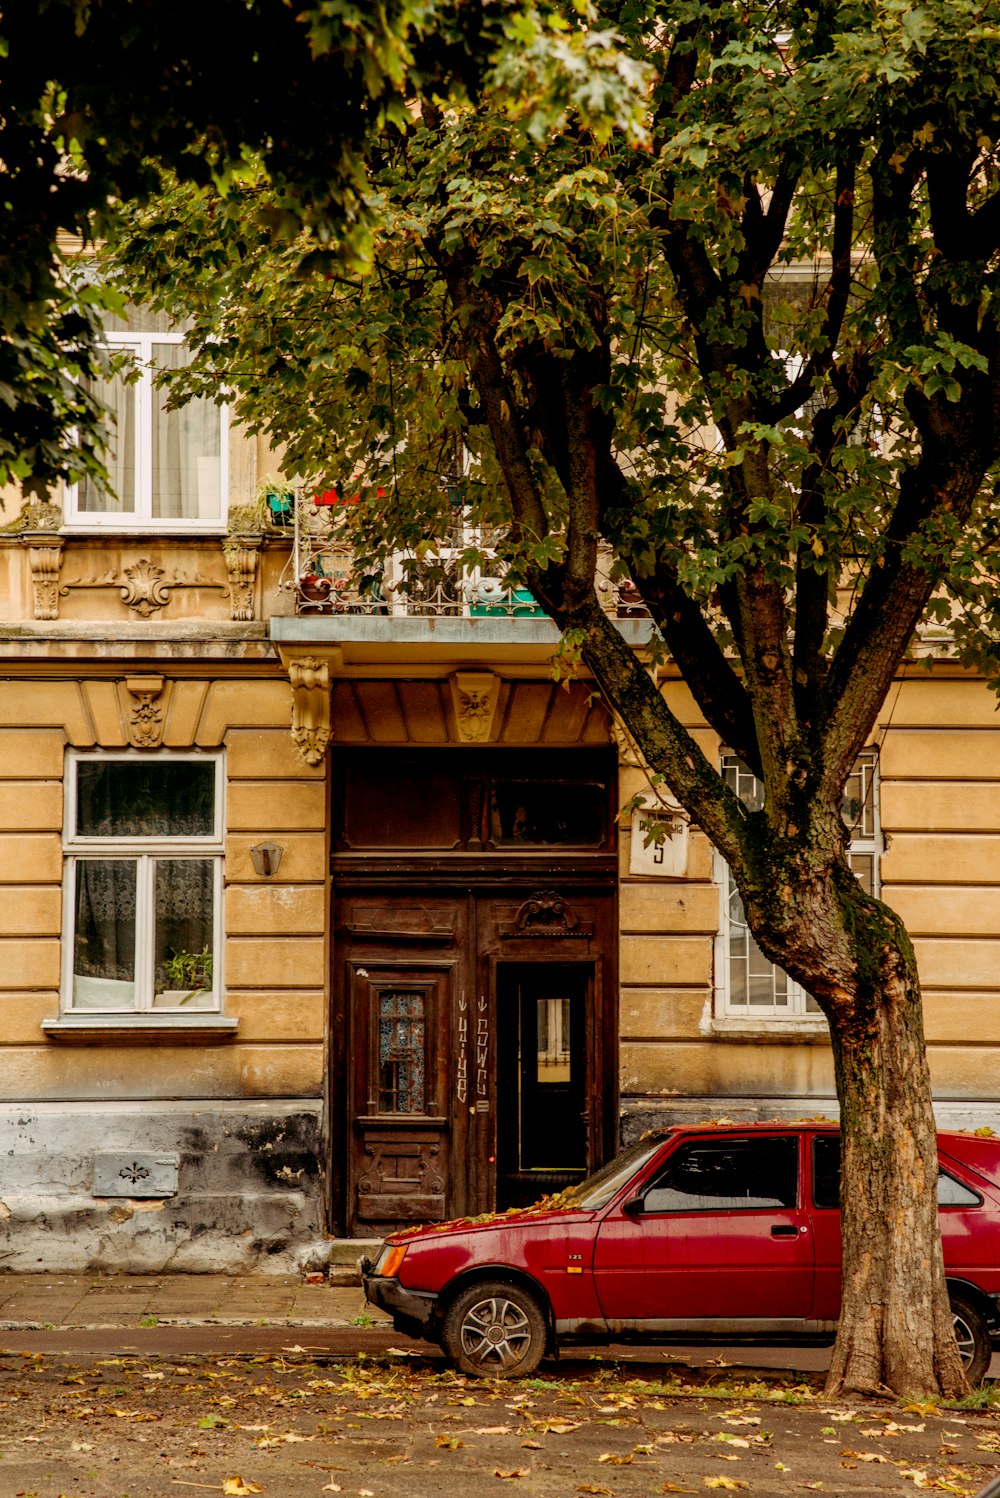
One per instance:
(310, 680)
(474, 695)
(145, 711)
(45, 561)
(241, 564)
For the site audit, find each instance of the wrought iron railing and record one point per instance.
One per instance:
(322, 576)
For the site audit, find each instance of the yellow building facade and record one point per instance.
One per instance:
(443, 973)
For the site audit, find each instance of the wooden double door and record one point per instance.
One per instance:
(475, 1032)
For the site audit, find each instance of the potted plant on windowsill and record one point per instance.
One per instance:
(186, 974)
(276, 499)
(271, 509)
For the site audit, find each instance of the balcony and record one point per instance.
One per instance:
(322, 578)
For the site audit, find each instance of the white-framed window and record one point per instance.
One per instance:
(748, 986)
(143, 883)
(168, 469)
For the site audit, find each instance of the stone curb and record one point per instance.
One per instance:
(275, 1322)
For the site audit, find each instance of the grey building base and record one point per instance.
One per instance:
(641, 1113)
(240, 1184)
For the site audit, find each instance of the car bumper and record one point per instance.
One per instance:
(412, 1311)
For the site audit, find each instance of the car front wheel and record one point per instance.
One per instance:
(494, 1330)
(973, 1338)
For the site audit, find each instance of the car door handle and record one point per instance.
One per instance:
(784, 1230)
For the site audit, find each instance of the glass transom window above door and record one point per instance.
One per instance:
(748, 985)
(143, 885)
(167, 468)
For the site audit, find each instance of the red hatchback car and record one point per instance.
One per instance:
(696, 1234)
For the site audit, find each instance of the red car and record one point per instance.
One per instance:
(697, 1234)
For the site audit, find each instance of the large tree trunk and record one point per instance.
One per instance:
(896, 1330)
(810, 914)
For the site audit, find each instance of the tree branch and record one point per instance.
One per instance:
(943, 485)
(838, 295)
(499, 401)
(666, 745)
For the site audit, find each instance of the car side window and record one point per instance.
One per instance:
(826, 1178)
(953, 1193)
(826, 1170)
(714, 1175)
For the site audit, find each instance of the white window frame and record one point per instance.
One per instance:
(144, 392)
(145, 850)
(800, 1010)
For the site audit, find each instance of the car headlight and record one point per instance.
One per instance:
(388, 1262)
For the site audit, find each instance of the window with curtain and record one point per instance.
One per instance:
(166, 468)
(748, 985)
(143, 883)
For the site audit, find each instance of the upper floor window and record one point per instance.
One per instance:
(748, 985)
(167, 468)
(143, 887)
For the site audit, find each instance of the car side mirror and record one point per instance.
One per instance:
(634, 1207)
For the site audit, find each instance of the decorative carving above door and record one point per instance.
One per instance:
(546, 914)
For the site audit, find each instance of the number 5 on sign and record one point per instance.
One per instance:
(659, 843)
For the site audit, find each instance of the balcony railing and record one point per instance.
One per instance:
(321, 574)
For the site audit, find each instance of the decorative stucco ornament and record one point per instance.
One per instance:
(310, 680)
(145, 718)
(475, 695)
(143, 588)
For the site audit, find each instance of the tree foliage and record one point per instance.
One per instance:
(753, 350)
(100, 97)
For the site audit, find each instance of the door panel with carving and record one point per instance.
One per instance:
(401, 1056)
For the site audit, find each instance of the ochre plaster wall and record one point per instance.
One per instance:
(275, 960)
(939, 766)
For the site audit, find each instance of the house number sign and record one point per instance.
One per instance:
(664, 857)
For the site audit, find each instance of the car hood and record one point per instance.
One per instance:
(520, 1217)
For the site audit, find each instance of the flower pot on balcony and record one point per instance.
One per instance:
(315, 590)
(280, 507)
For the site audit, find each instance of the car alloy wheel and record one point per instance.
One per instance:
(495, 1330)
(974, 1345)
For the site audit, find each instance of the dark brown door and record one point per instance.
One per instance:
(543, 1113)
(400, 1147)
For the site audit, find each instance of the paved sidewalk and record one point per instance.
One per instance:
(44, 1301)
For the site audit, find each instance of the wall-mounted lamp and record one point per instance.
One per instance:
(266, 858)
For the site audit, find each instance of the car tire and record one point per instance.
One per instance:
(494, 1330)
(974, 1345)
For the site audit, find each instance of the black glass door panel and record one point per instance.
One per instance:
(542, 1122)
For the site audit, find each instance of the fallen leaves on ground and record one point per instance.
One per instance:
(724, 1482)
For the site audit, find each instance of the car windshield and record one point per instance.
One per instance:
(598, 1189)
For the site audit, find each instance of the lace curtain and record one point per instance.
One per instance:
(179, 468)
(127, 798)
(187, 450)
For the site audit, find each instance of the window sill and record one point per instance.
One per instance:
(138, 1029)
(145, 529)
(811, 1029)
